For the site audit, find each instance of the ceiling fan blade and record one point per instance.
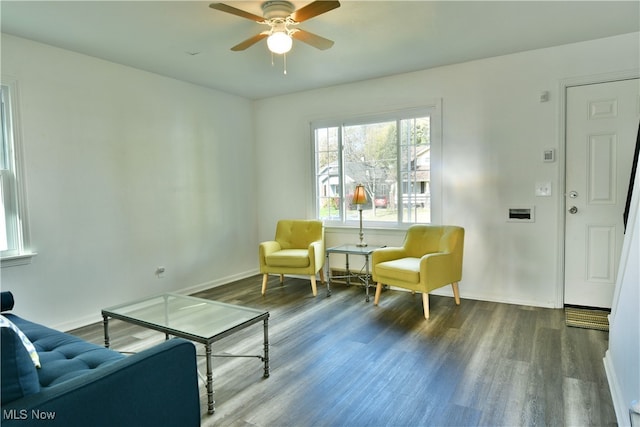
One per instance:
(313, 9)
(250, 41)
(234, 11)
(312, 39)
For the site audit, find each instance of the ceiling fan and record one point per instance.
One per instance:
(281, 16)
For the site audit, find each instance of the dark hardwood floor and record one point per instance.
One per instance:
(340, 361)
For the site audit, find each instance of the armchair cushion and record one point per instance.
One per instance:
(403, 269)
(297, 258)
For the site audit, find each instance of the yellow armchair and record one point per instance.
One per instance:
(431, 257)
(298, 248)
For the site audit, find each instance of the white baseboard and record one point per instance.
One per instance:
(446, 291)
(218, 282)
(620, 406)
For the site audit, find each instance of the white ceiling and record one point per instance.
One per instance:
(189, 41)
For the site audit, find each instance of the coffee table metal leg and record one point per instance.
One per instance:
(266, 347)
(210, 401)
(105, 324)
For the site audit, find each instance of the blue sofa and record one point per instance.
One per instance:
(83, 384)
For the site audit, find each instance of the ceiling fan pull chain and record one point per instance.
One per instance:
(285, 63)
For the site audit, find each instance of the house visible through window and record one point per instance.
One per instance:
(391, 155)
(13, 236)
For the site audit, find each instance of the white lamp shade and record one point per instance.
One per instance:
(279, 42)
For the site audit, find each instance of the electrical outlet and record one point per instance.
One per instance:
(543, 189)
(160, 272)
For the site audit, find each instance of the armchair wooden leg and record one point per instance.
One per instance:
(425, 304)
(281, 279)
(265, 277)
(456, 292)
(321, 275)
(313, 285)
(376, 299)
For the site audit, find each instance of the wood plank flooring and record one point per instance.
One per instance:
(340, 361)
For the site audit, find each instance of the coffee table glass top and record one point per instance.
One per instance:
(203, 320)
(354, 249)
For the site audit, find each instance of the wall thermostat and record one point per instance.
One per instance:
(549, 155)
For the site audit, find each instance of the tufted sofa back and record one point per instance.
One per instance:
(63, 356)
(298, 234)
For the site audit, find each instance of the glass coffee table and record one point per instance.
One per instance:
(196, 319)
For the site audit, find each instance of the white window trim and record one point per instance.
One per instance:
(24, 253)
(435, 110)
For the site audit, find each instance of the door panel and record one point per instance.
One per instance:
(601, 172)
(602, 123)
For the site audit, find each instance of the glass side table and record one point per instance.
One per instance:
(364, 277)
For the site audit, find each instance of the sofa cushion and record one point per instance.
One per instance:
(63, 356)
(19, 376)
(405, 269)
(33, 354)
(298, 258)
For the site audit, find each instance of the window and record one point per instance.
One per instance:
(392, 155)
(13, 236)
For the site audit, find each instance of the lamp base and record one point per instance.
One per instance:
(362, 244)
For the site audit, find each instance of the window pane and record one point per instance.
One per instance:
(12, 233)
(328, 173)
(369, 159)
(415, 163)
(4, 243)
(6, 221)
(5, 163)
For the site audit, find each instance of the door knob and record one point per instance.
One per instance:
(573, 210)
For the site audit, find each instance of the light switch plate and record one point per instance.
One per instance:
(543, 189)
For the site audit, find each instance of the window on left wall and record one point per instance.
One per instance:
(14, 238)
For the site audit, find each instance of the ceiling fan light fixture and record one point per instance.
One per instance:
(279, 42)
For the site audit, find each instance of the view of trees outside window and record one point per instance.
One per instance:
(390, 158)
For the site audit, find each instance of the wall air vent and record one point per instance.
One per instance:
(525, 214)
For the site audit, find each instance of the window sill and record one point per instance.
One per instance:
(15, 260)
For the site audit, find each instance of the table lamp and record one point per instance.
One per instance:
(359, 199)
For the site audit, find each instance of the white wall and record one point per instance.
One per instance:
(494, 133)
(622, 361)
(126, 171)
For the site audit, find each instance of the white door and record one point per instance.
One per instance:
(602, 127)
